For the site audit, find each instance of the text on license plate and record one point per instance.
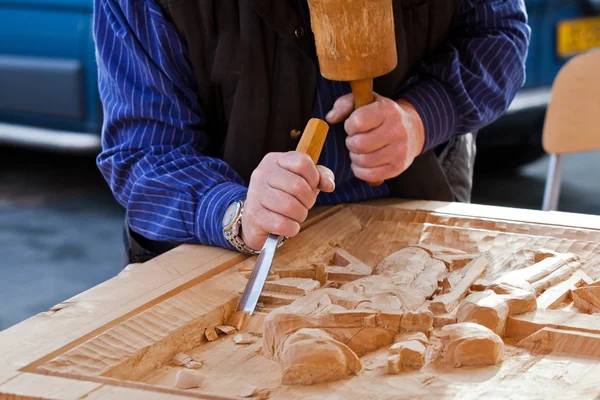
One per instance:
(577, 35)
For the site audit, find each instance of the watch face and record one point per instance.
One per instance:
(230, 214)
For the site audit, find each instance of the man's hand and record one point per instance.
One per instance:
(383, 137)
(282, 189)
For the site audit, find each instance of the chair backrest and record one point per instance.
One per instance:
(573, 116)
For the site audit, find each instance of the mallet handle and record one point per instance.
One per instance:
(363, 95)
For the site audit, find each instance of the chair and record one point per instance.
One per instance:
(572, 122)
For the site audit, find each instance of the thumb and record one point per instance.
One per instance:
(327, 179)
(341, 110)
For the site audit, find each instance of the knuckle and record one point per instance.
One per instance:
(348, 126)
(285, 227)
(292, 229)
(294, 160)
(362, 160)
(303, 214)
(257, 175)
(297, 186)
(355, 121)
(279, 225)
(360, 143)
(350, 143)
(312, 200)
(270, 158)
(345, 101)
(305, 162)
(287, 206)
(295, 229)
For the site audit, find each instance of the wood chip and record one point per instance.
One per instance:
(193, 364)
(248, 391)
(181, 359)
(211, 334)
(254, 392)
(226, 329)
(188, 379)
(244, 338)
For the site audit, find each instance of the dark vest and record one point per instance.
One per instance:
(256, 77)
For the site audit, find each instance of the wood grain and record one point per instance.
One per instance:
(446, 303)
(29, 344)
(553, 297)
(313, 139)
(169, 288)
(134, 348)
(355, 39)
(519, 327)
(37, 386)
(563, 342)
(121, 393)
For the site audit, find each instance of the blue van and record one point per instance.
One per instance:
(49, 94)
(48, 80)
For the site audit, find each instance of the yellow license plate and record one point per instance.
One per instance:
(577, 35)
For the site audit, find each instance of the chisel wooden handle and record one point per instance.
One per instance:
(363, 95)
(313, 138)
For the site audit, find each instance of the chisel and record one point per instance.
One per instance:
(311, 143)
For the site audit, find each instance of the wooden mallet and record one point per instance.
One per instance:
(355, 42)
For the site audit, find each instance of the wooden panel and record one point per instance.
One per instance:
(121, 393)
(108, 304)
(556, 218)
(130, 326)
(133, 348)
(47, 387)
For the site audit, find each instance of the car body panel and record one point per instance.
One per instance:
(48, 72)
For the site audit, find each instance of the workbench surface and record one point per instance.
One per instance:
(116, 340)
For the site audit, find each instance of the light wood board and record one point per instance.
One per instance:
(117, 339)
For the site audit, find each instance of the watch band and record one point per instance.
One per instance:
(233, 235)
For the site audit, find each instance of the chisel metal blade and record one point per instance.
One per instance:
(259, 275)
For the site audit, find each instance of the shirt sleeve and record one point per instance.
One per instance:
(473, 77)
(152, 138)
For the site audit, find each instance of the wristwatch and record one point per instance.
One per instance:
(232, 223)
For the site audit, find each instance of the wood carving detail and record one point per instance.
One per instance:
(374, 295)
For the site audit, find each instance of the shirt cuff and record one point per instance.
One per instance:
(433, 101)
(211, 209)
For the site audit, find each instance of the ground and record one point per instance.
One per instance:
(60, 227)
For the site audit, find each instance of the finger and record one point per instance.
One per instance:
(293, 184)
(376, 174)
(369, 142)
(284, 204)
(300, 164)
(327, 182)
(379, 157)
(341, 110)
(366, 118)
(277, 224)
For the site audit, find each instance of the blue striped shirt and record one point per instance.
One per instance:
(152, 150)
